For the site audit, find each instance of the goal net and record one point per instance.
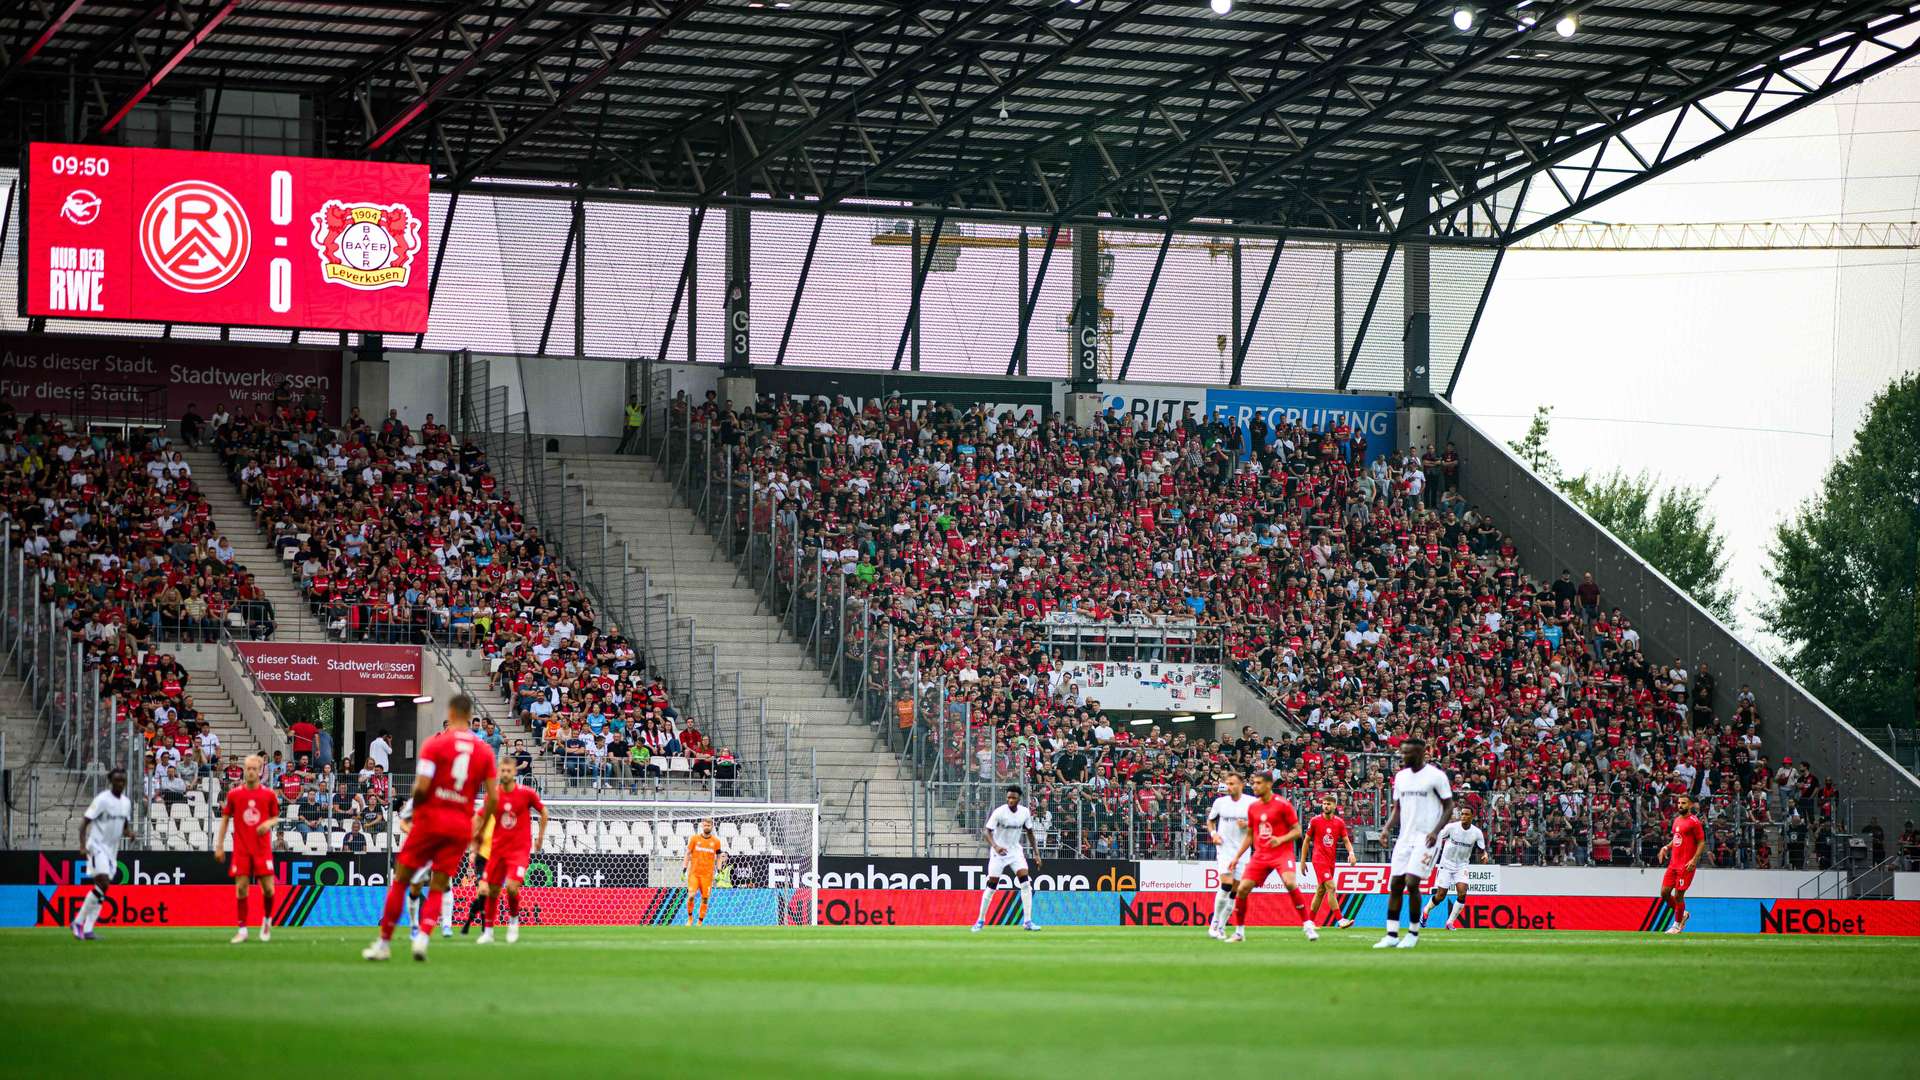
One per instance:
(611, 863)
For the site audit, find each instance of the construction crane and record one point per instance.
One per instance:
(1567, 236)
(1728, 236)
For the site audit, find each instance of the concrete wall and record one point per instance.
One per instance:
(1552, 534)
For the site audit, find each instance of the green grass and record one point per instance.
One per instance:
(1086, 1003)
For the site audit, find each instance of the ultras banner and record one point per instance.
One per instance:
(863, 387)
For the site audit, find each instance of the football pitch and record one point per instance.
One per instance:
(942, 1002)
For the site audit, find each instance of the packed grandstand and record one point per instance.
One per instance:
(1361, 595)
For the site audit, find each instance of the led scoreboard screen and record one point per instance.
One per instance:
(116, 232)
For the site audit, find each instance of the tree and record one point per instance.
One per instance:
(1532, 447)
(1843, 570)
(1668, 526)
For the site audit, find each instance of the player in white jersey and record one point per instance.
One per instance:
(1422, 803)
(1008, 829)
(1227, 822)
(1458, 842)
(109, 820)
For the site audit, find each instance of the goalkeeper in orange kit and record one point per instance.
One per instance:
(704, 854)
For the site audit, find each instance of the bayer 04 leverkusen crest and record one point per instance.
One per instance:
(364, 245)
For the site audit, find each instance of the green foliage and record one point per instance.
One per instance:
(1844, 567)
(1669, 526)
(1532, 447)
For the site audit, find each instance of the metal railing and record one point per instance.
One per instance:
(623, 592)
(61, 686)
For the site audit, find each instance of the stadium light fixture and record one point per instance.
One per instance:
(423, 699)
(1220, 7)
(1141, 722)
(1226, 716)
(1463, 18)
(1568, 25)
(1181, 719)
(383, 704)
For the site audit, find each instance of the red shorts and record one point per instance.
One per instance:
(511, 867)
(1678, 878)
(1258, 868)
(1323, 872)
(251, 864)
(439, 851)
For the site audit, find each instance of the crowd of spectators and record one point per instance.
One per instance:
(395, 534)
(1359, 591)
(119, 540)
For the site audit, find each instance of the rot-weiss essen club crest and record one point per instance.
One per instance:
(365, 245)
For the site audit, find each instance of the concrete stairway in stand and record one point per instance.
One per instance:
(866, 793)
(233, 518)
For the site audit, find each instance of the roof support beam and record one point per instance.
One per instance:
(457, 72)
(585, 84)
(922, 62)
(172, 61)
(1146, 300)
(60, 17)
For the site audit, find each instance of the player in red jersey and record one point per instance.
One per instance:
(1688, 844)
(454, 768)
(1327, 829)
(256, 810)
(514, 843)
(1272, 829)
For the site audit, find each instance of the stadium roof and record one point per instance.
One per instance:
(1348, 118)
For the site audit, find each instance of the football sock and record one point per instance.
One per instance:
(1393, 927)
(1240, 905)
(396, 901)
(513, 906)
(486, 912)
(986, 901)
(475, 910)
(446, 905)
(266, 908)
(1679, 905)
(240, 911)
(1299, 904)
(432, 912)
(1222, 903)
(1026, 901)
(705, 900)
(90, 909)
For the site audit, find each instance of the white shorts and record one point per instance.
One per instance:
(1224, 865)
(1447, 876)
(102, 861)
(1411, 855)
(1014, 861)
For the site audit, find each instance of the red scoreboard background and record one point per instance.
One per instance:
(116, 232)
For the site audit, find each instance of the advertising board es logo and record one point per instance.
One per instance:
(365, 246)
(194, 236)
(81, 207)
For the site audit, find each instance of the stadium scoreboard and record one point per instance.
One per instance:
(119, 232)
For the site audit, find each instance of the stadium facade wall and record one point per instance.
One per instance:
(1552, 534)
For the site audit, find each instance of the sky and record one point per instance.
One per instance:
(1745, 371)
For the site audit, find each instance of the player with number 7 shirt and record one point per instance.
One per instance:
(454, 767)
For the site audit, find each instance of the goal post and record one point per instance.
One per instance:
(623, 863)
